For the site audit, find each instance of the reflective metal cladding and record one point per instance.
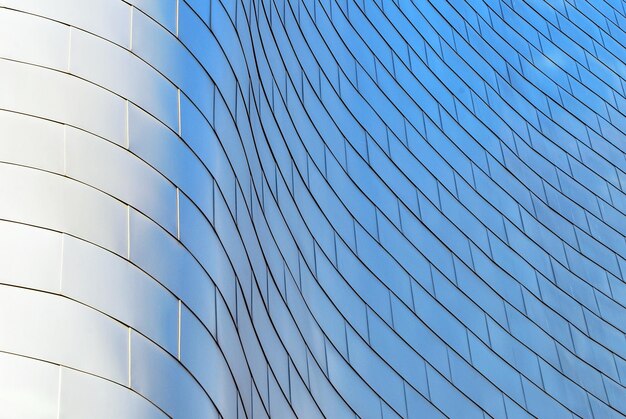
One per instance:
(312, 208)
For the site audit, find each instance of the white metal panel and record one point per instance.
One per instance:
(21, 35)
(61, 204)
(109, 19)
(29, 389)
(111, 284)
(56, 329)
(115, 171)
(86, 396)
(30, 256)
(60, 97)
(30, 141)
(117, 69)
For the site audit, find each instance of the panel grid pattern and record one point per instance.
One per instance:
(312, 208)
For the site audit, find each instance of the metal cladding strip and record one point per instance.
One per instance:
(312, 208)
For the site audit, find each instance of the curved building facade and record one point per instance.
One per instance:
(312, 208)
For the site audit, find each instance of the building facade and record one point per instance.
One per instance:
(312, 208)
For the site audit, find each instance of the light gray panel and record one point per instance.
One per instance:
(21, 35)
(56, 329)
(110, 20)
(30, 257)
(58, 203)
(117, 69)
(63, 98)
(29, 388)
(31, 142)
(113, 170)
(84, 395)
(111, 284)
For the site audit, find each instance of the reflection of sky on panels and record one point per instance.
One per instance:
(313, 208)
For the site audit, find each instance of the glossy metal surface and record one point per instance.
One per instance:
(312, 208)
